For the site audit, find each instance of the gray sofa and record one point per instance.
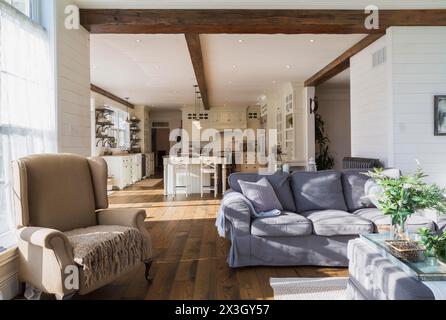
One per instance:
(323, 211)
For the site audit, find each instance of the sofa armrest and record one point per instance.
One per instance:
(237, 211)
(133, 218)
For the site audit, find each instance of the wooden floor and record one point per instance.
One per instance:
(190, 258)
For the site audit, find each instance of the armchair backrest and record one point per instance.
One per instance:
(59, 191)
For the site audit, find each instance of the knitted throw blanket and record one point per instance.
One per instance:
(102, 251)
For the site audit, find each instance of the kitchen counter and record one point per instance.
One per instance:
(121, 155)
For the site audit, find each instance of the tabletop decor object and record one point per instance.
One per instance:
(435, 244)
(406, 250)
(401, 197)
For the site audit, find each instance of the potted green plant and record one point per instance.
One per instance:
(403, 196)
(435, 244)
(324, 159)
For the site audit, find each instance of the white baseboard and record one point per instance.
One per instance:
(9, 289)
(9, 283)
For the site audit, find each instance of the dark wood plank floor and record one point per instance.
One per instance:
(190, 258)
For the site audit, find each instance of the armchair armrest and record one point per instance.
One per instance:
(237, 211)
(45, 257)
(133, 218)
(46, 238)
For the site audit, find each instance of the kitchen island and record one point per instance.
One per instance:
(173, 179)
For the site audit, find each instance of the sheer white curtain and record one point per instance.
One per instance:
(27, 109)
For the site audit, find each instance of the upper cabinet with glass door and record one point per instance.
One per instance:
(289, 126)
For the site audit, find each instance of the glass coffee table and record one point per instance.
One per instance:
(432, 272)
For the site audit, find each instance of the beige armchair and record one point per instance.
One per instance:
(69, 241)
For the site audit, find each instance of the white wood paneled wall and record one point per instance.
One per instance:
(392, 105)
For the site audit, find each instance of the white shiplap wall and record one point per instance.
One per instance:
(73, 86)
(370, 109)
(393, 105)
(418, 74)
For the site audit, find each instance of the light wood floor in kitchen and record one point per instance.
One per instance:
(190, 258)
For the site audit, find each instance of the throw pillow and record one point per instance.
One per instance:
(261, 194)
(372, 189)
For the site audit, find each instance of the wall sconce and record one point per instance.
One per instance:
(314, 105)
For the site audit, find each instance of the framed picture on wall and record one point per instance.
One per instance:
(440, 115)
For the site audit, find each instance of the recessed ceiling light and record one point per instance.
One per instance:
(240, 41)
(311, 40)
(288, 66)
(234, 66)
(138, 40)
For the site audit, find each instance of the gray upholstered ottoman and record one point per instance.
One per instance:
(374, 277)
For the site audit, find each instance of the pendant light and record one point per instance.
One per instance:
(197, 108)
(128, 113)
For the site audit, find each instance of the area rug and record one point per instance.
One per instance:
(150, 183)
(309, 288)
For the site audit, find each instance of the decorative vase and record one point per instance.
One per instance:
(399, 230)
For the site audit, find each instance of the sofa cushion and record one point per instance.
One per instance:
(279, 181)
(382, 222)
(318, 191)
(288, 224)
(261, 194)
(353, 182)
(372, 189)
(338, 223)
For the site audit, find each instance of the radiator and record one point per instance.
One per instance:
(361, 163)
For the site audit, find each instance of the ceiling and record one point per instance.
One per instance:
(261, 4)
(153, 70)
(240, 72)
(156, 70)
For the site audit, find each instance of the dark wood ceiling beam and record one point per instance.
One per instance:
(111, 96)
(196, 55)
(137, 21)
(341, 63)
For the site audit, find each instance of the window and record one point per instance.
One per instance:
(27, 112)
(122, 128)
(27, 7)
(22, 5)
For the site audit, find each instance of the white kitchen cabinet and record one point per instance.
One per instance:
(136, 168)
(229, 119)
(253, 118)
(216, 118)
(124, 170)
(150, 164)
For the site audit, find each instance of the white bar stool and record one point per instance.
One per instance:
(208, 165)
(180, 165)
